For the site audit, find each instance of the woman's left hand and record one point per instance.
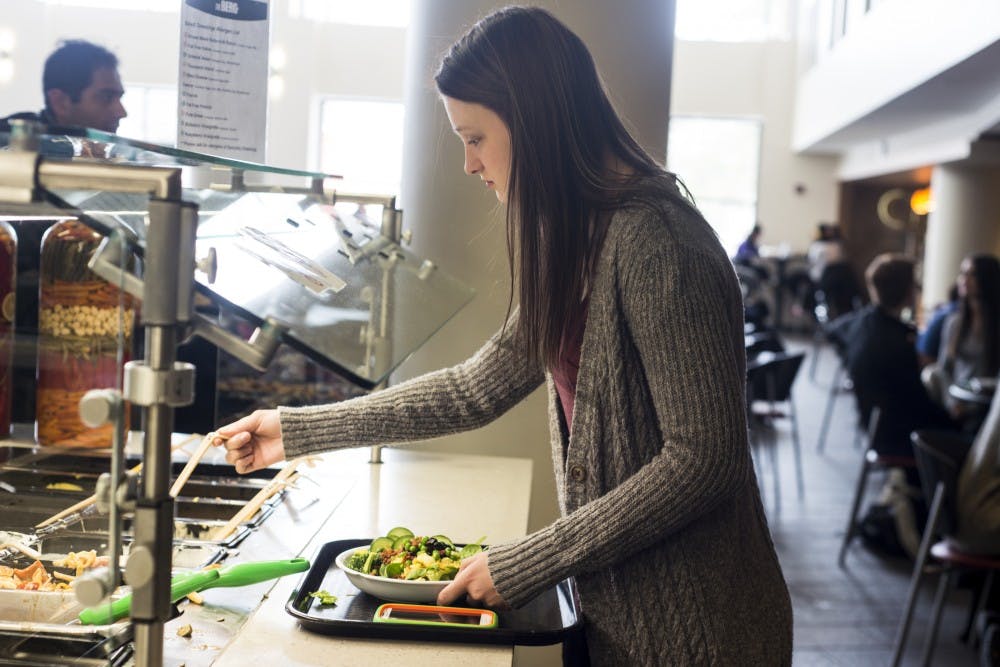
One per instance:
(474, 582)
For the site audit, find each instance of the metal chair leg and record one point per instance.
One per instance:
(817, 349)
(942, 592)
(852, 519)
(776, 473)
(798, 450)
(918, 572)
(828, 412)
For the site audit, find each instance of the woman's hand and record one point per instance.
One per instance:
(254, 442)
(474, 582)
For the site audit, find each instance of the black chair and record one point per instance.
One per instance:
(872, 461)
(841, 385)
(762, 340)
(939, 456)
(834, 335)
(770, 377)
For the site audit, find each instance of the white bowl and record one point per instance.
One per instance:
(392, 590)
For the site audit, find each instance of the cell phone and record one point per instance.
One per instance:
(423, 614)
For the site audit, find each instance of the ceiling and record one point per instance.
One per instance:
(964, 99)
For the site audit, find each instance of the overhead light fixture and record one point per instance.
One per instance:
(921, 201)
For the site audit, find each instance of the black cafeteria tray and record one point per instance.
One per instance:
(548, 619)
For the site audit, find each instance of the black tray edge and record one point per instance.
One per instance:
(324, 558)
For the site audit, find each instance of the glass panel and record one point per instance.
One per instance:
(351, 299)
(89, 143)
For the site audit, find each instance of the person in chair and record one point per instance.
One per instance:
(881, 358)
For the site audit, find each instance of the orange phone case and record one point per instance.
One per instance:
(429, 610)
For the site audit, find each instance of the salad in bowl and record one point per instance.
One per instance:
(404, 567)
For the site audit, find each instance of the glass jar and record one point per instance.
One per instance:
(8, 282)
(80, 317)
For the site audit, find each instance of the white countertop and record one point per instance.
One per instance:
(463, 496)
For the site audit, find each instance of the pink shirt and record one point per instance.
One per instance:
(568, 366)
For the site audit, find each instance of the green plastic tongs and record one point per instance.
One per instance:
(241, 574)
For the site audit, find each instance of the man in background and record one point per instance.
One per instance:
(81, 87)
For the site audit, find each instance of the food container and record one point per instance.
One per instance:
(43, 626)
(82, 322)
(8, 282)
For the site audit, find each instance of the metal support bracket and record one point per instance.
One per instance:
(256, 353)
(145, 386)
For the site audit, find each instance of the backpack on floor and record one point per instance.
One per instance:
(889, 527)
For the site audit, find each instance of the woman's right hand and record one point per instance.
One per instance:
(254, 442)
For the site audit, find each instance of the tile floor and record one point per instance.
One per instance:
(843, 617)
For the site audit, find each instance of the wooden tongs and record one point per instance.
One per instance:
(192, 463)
(285, 478)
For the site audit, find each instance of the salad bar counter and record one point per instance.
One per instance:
(129, 258)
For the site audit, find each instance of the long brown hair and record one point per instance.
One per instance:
(986, 271)
(539, 78)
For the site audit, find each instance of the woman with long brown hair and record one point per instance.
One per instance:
(970, 341)
(628, 308)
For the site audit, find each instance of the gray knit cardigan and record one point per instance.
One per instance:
(662, 523)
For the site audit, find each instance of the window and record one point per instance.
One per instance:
(362, 140)
(145, 5)
(152, 114)
(387, 13)
(729, 21)
(719, 161)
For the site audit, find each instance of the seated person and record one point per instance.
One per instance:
(929, 340)
(970, 341)
(748, 254)
(882, 361)
(832, 273)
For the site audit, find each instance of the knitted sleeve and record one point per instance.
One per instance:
(681, 307)
(460, 398)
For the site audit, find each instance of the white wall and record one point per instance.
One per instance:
(757, 80)
(897, 46)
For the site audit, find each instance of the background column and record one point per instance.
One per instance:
(965, 219)
(459, 224)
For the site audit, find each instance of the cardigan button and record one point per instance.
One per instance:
(578, 473)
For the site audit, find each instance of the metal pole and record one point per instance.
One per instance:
(392, 229)
(150, 576)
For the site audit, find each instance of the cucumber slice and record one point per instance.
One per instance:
(399, 531)
(401, 542)
(380, 543)
(445, 539)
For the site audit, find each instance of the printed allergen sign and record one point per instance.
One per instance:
(222, 82)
